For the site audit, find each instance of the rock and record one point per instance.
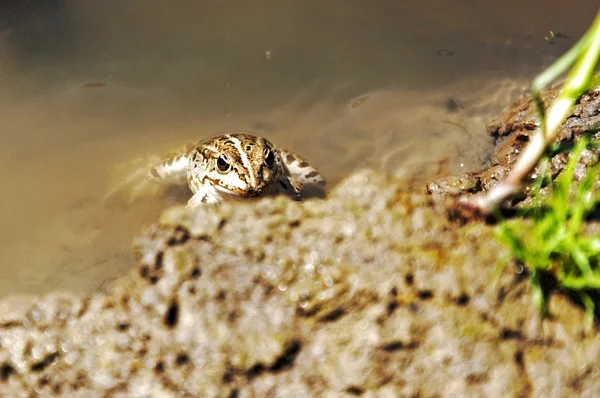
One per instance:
(513, 130)
(371, 292)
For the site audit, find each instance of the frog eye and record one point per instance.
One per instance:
(223, 164)
(269, 158)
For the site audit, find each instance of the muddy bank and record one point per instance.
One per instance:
(513, 130)
(371, 292)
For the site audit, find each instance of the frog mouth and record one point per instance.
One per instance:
(267, 188)
(253, 193)
(233, 195)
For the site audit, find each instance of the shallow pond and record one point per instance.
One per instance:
(404, 86)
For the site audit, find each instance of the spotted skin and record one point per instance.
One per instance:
(303, 172)
(173, 168)
(238, 166)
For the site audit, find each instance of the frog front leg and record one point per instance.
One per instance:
(203, 196)
(172, 170)
(306, 179)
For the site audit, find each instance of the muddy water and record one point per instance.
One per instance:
(86, 85)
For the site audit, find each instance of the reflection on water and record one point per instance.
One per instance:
(403, 86)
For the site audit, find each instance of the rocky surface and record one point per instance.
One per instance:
(370, 293)
(513, 129)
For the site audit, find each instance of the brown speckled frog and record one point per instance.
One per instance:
(238, 166)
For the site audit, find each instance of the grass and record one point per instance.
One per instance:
(555, 242)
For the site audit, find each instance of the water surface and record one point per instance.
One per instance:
(400, 85)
